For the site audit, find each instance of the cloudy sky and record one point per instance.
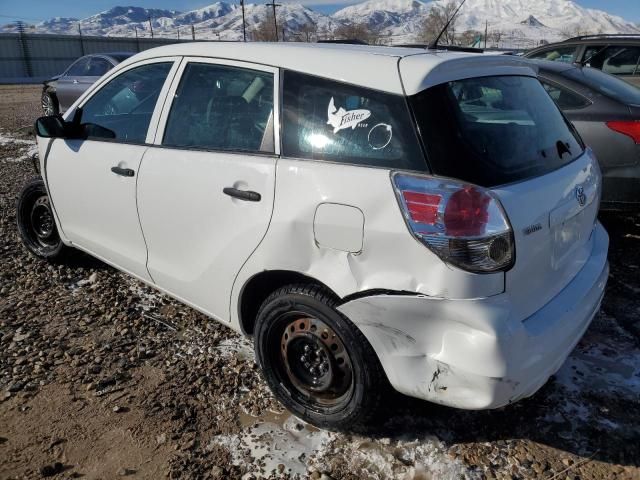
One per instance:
(34, 10)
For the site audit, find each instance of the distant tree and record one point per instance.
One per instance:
(495, 37)
(468, 38)
(435, 22)
(307, 32)
(265, 31)
(357, 31)
(575, 31)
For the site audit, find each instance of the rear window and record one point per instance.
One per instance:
(605, 84)
(494, 130)
(328, 120)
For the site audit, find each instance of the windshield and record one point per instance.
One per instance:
(605, 84)
(493, 130)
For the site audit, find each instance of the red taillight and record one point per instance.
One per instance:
(423, 207)
(462, 224)
(467, 212)
(630, 129)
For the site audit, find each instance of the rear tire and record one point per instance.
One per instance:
(36, 223)
(318, 364)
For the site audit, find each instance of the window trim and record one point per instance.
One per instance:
(542, 78)
(116, 72)
(170, 97)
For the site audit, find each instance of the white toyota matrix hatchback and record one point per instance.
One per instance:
(369, 215)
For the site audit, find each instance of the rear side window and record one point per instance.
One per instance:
(605, 84)
(219, 107)
(327, 120)
(615, 60)
(564, 98)
(494, 130)
(560, 54)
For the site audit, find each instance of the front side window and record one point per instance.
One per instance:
(494, 130)
(79, 68)
(220, 107)
(328, 120)
(561, 54)
(98, 67)
(564, 98)
(615, 60)
(121, 110)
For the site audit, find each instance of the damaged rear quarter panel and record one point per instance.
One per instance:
(391, 258)
(448, 352)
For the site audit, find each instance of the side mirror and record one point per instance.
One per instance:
(52, 127)
(55, 126)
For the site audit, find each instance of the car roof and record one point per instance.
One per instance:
(374, 67)
(605, 37)
(614, 39)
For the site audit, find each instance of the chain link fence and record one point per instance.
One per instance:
(32, 57)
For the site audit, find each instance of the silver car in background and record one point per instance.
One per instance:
(61, 91)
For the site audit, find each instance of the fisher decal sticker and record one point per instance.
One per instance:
(339, 118)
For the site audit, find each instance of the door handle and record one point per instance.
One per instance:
(247, 195)
(125, 172)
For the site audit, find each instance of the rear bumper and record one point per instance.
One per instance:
(474, 354)
(621, 188)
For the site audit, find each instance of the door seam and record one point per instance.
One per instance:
(144, 239)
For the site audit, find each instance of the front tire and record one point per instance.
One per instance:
(49, 104)
(318, 364)
(36, 223)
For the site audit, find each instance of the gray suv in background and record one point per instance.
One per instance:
(617, 55)
(61, 91)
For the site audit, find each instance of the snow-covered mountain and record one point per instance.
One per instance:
(511, 21)
(535, 20)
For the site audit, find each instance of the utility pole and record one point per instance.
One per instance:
(244, 27)
(275, 21)
(135, 27)
(486, 30)
(150, 26)
(81, 42)
(193, 33)
(24, 46)
(178, 33)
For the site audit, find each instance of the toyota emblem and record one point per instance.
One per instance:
(581, 196)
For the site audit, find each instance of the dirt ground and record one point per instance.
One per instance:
(101, 377)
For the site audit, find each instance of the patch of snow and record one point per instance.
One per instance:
(237, 345)
(290, 444)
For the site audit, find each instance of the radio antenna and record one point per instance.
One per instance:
(433, 45)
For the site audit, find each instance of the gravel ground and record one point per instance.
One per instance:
(102, 377)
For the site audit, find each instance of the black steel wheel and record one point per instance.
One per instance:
(36, 223)
(317, 363)
(49, 104)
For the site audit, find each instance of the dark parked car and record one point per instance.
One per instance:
(606, 112)
(61, 91)
(617, 55)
